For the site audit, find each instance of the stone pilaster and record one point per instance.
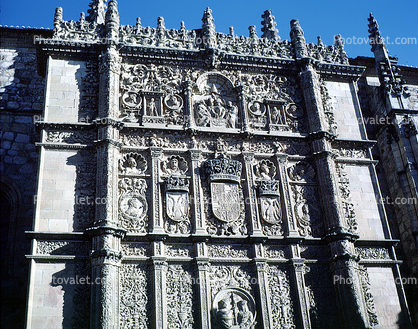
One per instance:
(197, 204)
(299, 270)
(157, 217)
(159, 278)
(202, 263)
(106, 235)
(255, 225)
(263, 290)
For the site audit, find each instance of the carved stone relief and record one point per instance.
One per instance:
(215, 103)
(305, 201)
(133, 206)
(132, 164)
(280, 298)
(368, 297)
(226, 196)
(179, 297)
(135, 249)
(345, 193)
(222, 276)
(151, 94)
(134, 296)
(227, 251)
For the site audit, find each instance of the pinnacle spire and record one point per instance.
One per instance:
(269, 26)
(376, 41)
(96, 11)
(298, 40)
(208, 28)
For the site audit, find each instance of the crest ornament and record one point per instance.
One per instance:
(224, 174)
(177, 198)
(234, 308)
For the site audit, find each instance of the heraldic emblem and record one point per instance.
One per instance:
(224, 174)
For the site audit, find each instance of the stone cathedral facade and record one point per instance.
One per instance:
(195, 179)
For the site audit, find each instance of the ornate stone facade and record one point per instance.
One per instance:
(206, 180)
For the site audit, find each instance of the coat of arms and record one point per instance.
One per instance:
(224, 174)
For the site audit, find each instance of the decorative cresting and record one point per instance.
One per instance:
(269, 195)
(215, 104)
(234, 308)
(177, 188)
(224, 175)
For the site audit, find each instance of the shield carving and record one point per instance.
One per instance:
(225, 201)
(271, 211)
(177, 203)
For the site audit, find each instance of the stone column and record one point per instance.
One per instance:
(159, 278)
(106, 235)
(263, 289)
(255, 225)
(202, 263)
(156, 210)
(197, 203)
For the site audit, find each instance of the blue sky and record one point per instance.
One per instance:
(397, 19)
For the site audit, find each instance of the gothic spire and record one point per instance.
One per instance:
(269, 26)
(96, 11)
(112, 20)
(209, 34)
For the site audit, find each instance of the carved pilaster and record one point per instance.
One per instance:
(190, 122)
(197, 204)
(242, 103)
(255, 225)
(105, 258)
(312, 93)
(157, 218)
(202, 263)
(299, 275)
(159, 276)
(263, 290)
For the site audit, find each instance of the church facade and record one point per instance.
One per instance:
(195, 179)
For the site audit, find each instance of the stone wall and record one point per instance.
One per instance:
(21, 103)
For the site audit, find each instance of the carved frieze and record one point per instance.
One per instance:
(372, 253)
(70, 137)
(227, 251)
(368, 297)
(275, 252)
(178, 250)
(55, 247)
(135, 249)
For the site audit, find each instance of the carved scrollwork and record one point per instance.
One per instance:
(226, 251)
(368, 297)
(222, 276)
(69, 137)
(345, 193)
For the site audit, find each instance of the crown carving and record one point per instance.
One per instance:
(174, 183)
(223, 168)
(269, 187)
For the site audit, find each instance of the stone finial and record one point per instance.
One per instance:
(253, 31)
(269, 26)
(138, 22)
(231, 31)
(376, 41)
(338, 42)
(82, 18)
(208, 28)
(96, 11)
(298, 40)
(112, 20)
(319, 43)
(182, 26)
(160, 23)
(57, 18)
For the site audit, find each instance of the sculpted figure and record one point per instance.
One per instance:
(245, 316)
(225, 313)
(232, 115)
(152, 109)
(132, 166)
